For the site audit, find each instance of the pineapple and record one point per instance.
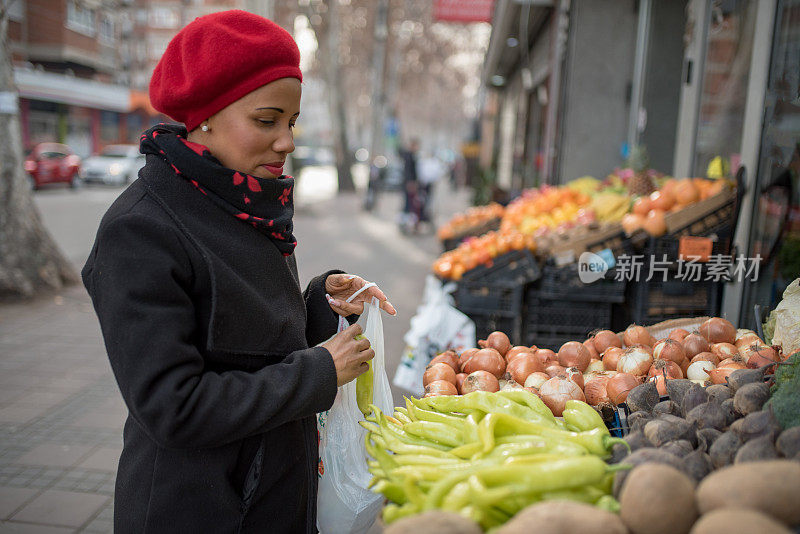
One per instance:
(641, 183)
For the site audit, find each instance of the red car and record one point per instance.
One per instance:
(50, 163)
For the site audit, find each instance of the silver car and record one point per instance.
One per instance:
(114, 165)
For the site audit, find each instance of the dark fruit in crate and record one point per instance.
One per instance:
(679, 448)
(788, 443)
(740, 377)
(642, 456)
(698, 465)
(676, 389)
(667, 407)
(643, 397)
(756, 425)
(756, 450)
(724, 449)
(731, 414)
(706, 437)
(751, 398)
(693, 398)
(719, 392)
(707, 415)
(669, 428)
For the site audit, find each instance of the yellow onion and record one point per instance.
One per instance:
(535, 380)
(557, 391)
(699, 370)
(718, 330)
(620, 385)
(595, 390)
(635, 361)
(574, 354)
(595, 366)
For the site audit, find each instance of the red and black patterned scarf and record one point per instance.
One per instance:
(265, 203)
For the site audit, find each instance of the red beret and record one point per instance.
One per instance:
(216, 60)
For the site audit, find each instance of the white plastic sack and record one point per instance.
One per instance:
(436, 327)
(344, 504)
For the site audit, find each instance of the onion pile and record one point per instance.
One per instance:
(574, 354)
(635, 361)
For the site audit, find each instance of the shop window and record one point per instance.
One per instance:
(725, 77)
(107, 29)
(42, 127)
(109, 126)
(163, 17)
(16, 11)
(80, 19)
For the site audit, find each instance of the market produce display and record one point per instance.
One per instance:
(487, 456)
(463, 224)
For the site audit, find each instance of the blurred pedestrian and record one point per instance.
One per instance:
(412, 206)
(377, 177)
(429, 170)
(219, 356)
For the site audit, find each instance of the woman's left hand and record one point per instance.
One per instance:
(339, 287)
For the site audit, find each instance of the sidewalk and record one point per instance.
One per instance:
(61, 415)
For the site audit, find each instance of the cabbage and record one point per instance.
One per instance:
(787, 319)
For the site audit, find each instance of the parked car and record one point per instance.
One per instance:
(114, 165)
(50, 163)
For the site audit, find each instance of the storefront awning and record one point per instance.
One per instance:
(53, 87)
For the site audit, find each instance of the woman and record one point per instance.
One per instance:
(195, 284)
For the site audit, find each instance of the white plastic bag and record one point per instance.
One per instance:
(436, 327)
(344, 504)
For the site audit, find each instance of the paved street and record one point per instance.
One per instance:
(61, 415)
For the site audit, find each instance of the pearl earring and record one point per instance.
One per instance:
(204, 127)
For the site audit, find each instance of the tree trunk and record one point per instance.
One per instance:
(337, 111)
(30, 261)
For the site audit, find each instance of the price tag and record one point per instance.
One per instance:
(697, 248)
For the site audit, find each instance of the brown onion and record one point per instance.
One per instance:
(685, 365)
(611, 357)
(718, 330)
(620, 385)
(557, 391)
(589, 344)
(759, 356)
(637, 335)
(522, 366)
(659, 367)
(574, 354)
(555, 370)
(661, 384)
(746, 340)
(438, 371)
(535, 380)
(678, 334)
(546, 357)
(480, 381)
(735, 361)
(706, 357)
(497, 341)
(595, 390)
(635, 361)
(669, 349)
(440, 387)
(489, 360)
(514, 351)
(449, 357)
(595, 366)
(694, 344)
(460, 382)
(575, 375)
(604, 340)
(719, 374)
(724, 350)
(532, 390)
(464, 357)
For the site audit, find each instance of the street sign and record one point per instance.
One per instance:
(463, 10)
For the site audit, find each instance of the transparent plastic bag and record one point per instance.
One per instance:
(437, 326)
(344, 504)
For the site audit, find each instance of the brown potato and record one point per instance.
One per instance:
(771, 487)
(735, 521)
(563, 517)
(434, 522)
(651, 496)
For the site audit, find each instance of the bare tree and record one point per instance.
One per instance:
(30, 261)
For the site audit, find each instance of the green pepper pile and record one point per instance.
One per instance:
(487, 455)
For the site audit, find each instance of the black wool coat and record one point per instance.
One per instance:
(208, 334)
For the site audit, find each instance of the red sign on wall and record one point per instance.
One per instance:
(463, 10)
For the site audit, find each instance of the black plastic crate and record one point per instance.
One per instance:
(487, 323)
(556, 321)
(517, 267)
(489, 299)
(564, 283)
(488, 226)
(718, 226)
(659, 300)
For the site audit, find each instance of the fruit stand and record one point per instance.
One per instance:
(608, 433)
(648, 218)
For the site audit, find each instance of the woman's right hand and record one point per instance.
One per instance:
(350, 355)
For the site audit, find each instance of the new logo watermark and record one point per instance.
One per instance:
(592, 267)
